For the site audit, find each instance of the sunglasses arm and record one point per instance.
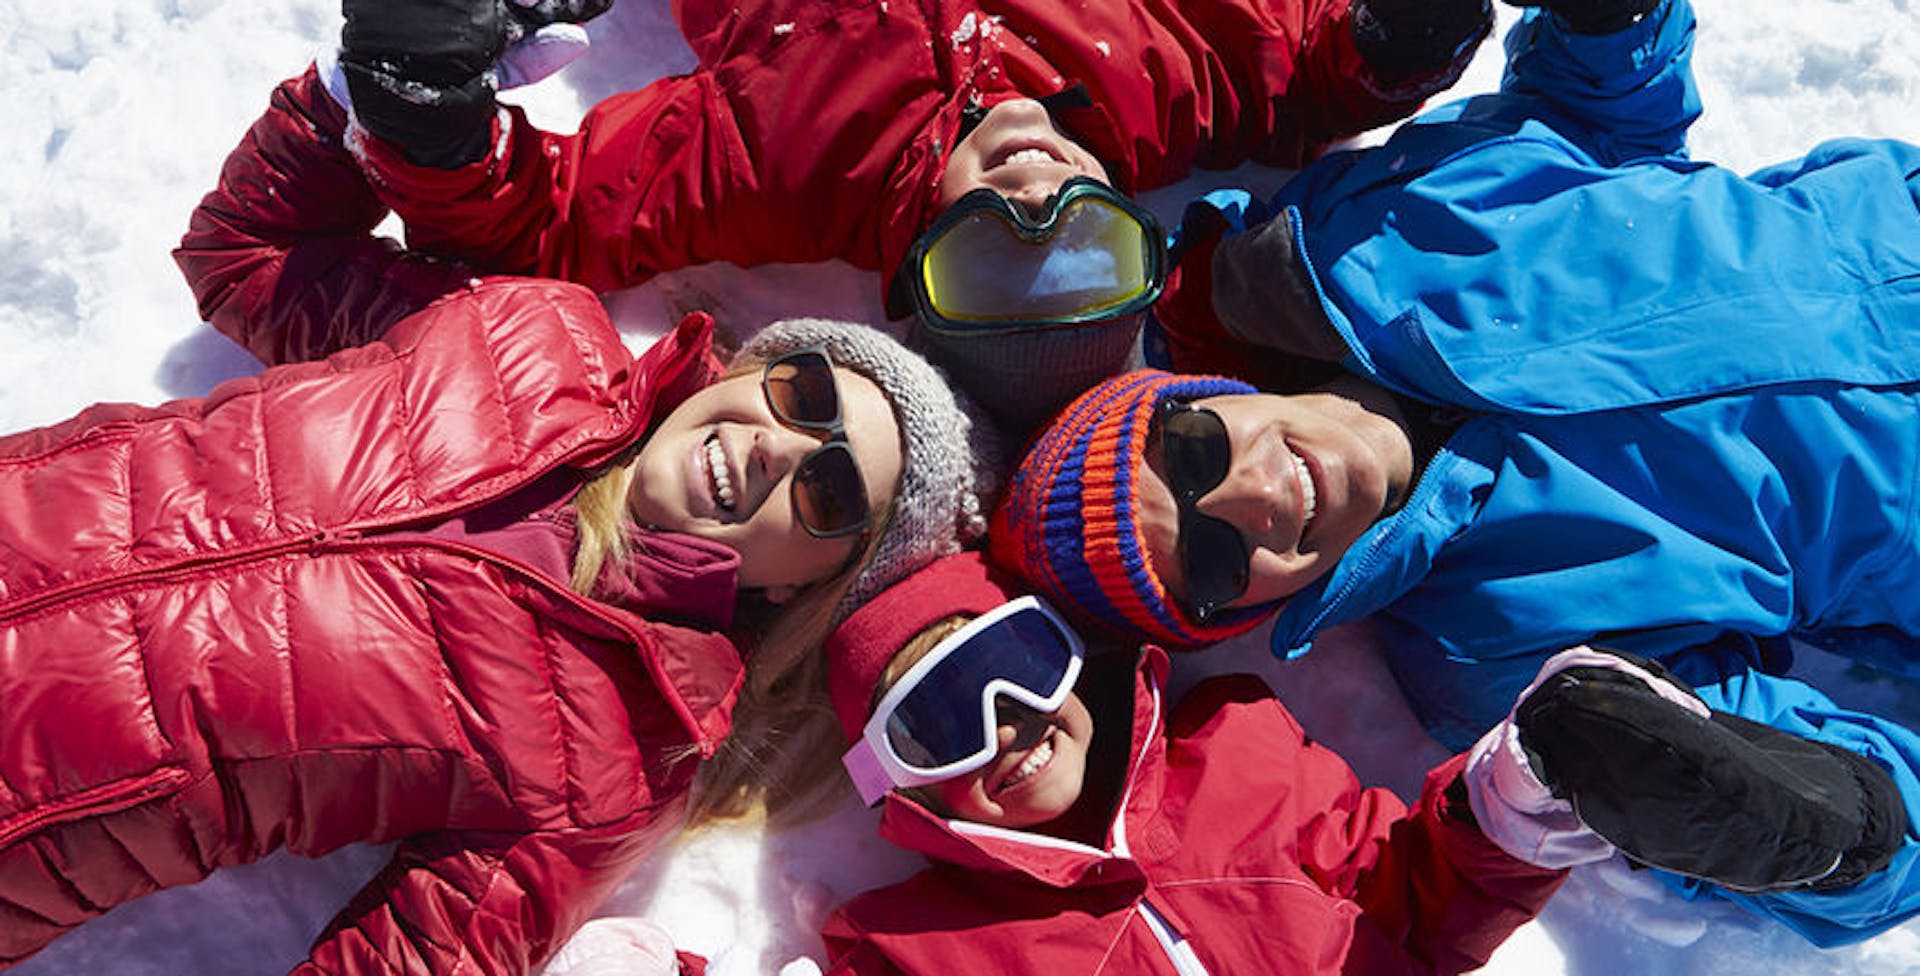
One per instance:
(869, 777)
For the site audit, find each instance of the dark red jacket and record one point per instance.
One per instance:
(245, 622)
(1242, 847)
(818, 130)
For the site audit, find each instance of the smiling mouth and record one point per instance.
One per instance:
(1030, 156)
(1037, 759)
(713, 461)
(1309, 495)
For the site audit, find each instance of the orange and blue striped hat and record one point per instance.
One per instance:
(1067, 525)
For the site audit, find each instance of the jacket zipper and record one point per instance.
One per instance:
(312, 542)
(106, 798)
(315, 541)
(1423, 492)
(340, 540)
(1178, 951)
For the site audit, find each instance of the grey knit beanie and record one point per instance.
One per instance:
(1024, 377)
(951, 453)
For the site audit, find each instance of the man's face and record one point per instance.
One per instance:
(1017, 152)
(1310, 473)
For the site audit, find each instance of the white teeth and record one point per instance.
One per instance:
(1030, 765)
(1026, 157)
(716, 464)
(1309, 498)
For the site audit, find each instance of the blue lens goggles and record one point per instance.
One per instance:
(938, 721)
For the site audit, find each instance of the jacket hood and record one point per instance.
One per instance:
(1030, 857)
(677, 365)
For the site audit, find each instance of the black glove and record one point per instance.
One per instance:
(532, 14)
(420, 71)
(1404, 40)
(1594, 16)
(1720, 798)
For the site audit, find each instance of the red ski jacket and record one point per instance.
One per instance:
(239, 623)
(1241, 847)
(819, 130)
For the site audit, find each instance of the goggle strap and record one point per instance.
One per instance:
(870, 778)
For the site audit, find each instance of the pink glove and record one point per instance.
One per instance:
(619, 946)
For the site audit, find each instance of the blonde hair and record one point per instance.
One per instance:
(916, 648)
(601, 524)
(784, 748)
(785, 738)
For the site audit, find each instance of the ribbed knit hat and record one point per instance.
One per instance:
(1067, 522)
(950, 453)
(860, 648)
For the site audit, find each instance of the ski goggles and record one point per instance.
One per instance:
(829, 496)
(1195, 456)
(987, 267)
(940, 719)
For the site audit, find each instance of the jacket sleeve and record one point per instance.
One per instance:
(782, 146)
(280, 255)
(851, 953)
(644, 186)
(1629, 94)
(1436, 895)
(459, 903)
(1437, 887)
(1334, 92)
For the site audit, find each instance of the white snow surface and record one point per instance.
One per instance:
(117, 114)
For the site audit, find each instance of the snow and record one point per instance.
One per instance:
(117, 115)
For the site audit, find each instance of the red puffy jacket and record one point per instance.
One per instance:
(239, 623)
(818, 130)
(1241, 848)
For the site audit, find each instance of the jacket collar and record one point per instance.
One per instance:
(675, 576)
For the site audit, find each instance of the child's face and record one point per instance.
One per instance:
(1035, 777)
(1017, 152)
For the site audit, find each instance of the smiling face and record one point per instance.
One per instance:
(1310, 473)
(1035, 777)
(1017, 152)
(721, 467)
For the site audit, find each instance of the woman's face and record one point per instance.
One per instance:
(1037, 775)
(1311, 472)
(1017, 152)
(721, 467)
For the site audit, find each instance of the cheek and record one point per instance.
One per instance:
(961, 798)
(649, 497)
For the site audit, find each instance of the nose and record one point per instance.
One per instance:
(776, 450)
(1248, 501)
(1019, 727)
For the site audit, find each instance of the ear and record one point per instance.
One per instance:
(777, 595)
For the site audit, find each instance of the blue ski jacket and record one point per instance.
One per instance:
(1689, 399)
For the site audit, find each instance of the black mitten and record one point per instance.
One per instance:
(1408, 39)
(419, 73)
(1594, 16)
(1720, 798)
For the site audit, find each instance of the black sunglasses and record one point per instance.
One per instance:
(829, 496)
(1195, 456)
